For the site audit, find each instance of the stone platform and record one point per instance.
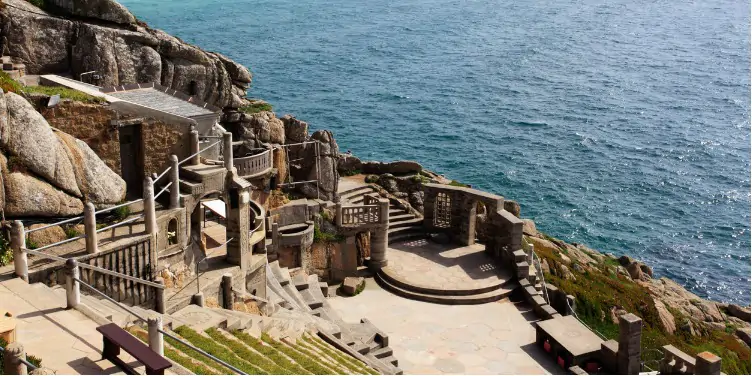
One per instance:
(444, 274)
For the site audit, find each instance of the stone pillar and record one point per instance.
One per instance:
(160, 296)
(17, 242)
(429, 207)
(530, 253)
(465, 220)
(707, 363)
(227, 290)
(238, 224)
(227, 150)
(338, 214)
(379, 240)
(275, 237)
(198, 299)
(195, 148)
(90, 228)
(156, 340)
(609, 355)
(72, 287)
(383, 211)
(630, 334)
(175, 182)
(150, 214)
(12, 364)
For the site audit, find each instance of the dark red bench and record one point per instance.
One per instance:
(115, 338)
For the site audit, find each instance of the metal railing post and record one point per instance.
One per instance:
(156, 340)
(18, 244)
(175, 182)
(195, 148)
(72, 287)
(227, 150)
(90, 228)
(150, 215)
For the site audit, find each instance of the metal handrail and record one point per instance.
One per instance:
(582, 322)
(359, 206)
(23, 360)
(61, 242)
(204, 353)
(80, 217)
(42, 254)
(198, 152)
(118, 206)
(163, 189)
(119, 275)
(92, 288)
(162, 174)
(539, 270)
(120, 223)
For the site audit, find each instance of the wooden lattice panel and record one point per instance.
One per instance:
(443, 213)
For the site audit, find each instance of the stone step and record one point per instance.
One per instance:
(395, 279)
(382, 352)
(190, 187)
(361, 348)
(355, 192)
(391, 359)
(414, 221)
(300, 281)
(406, 236)
(485, 297)
(285, 273)
(310, 300)
(400, 217)
(395, 211)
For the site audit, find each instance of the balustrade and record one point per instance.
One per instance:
(253, 164)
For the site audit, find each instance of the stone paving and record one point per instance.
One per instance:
(492, 338)
(425, 263)
(65, 340)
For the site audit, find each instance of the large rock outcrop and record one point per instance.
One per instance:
(121, 54)
(105, 10)
(45, 172)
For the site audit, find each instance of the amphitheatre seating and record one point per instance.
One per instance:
(115, 338)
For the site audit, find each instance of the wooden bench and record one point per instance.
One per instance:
(115, 338)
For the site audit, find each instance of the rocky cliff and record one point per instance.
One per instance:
(77, 36)
(46, 172)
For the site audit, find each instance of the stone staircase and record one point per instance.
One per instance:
(403, 224)
(362, 338)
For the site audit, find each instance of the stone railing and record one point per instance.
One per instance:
(358, 215)
(676, 362)
(254, 165)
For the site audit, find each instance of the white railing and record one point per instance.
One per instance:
(253, 164)
(363, 214)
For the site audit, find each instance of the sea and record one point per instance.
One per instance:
(623, 125)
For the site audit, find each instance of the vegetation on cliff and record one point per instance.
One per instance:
(10, 85)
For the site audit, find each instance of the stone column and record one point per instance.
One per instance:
(198, 299)
(175, 182)
(195, 148)
(227, 150)
(429, 207)
(630, 334)
(72, 287)
(530, 253)
(275, 237)
(707, 363)
(463, 215)
(227, 291)
(90, 228)
(17, 242)
(150, 214)
(338, 214)
(156, 340)
(12, 364)
(238, 223)
(380, 238)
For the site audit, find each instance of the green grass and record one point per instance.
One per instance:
(70, 232)
(170, 353)
(250, 356)
(30, 244)
(371, 179)
(351, 363)
(256, 107)
(326, 216)
(418, 178)
(455, 183)
(122, 213)
(221, 352)
(306, 362)
(272, 353)
(6, 253)
(198, 356)
(331, 363)
(10, 85)
(351, 172)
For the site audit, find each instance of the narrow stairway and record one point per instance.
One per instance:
(403, 224)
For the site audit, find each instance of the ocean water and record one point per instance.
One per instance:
(620, 124)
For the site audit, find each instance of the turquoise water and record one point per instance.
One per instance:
(621, 124)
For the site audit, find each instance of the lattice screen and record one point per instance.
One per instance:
(443, 213)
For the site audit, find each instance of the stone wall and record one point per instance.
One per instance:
(160, 140)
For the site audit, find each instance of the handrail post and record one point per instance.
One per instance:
(530, 251)
(156, 340)
(160, 296)
(18, 243)
(12, 356)
(227, 150)
(72, 287)
(175, 180)
(150, 215)
(195, 148)
(339, 214)
(90, 228)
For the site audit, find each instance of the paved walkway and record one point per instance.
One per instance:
(492, 338)
(424, 263)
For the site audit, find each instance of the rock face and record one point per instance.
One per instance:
(396, 167)
(120, 54)
(47, 172)
(105, 10)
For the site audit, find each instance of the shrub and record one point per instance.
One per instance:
(372, 179)
(10, 85)
(30, 244)
(71, 232)
(418, 178)
(122, 213)
(320, 236)
(458, 184)
(256, 108)
(351, 172)
(37, 362)
(6, 253)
